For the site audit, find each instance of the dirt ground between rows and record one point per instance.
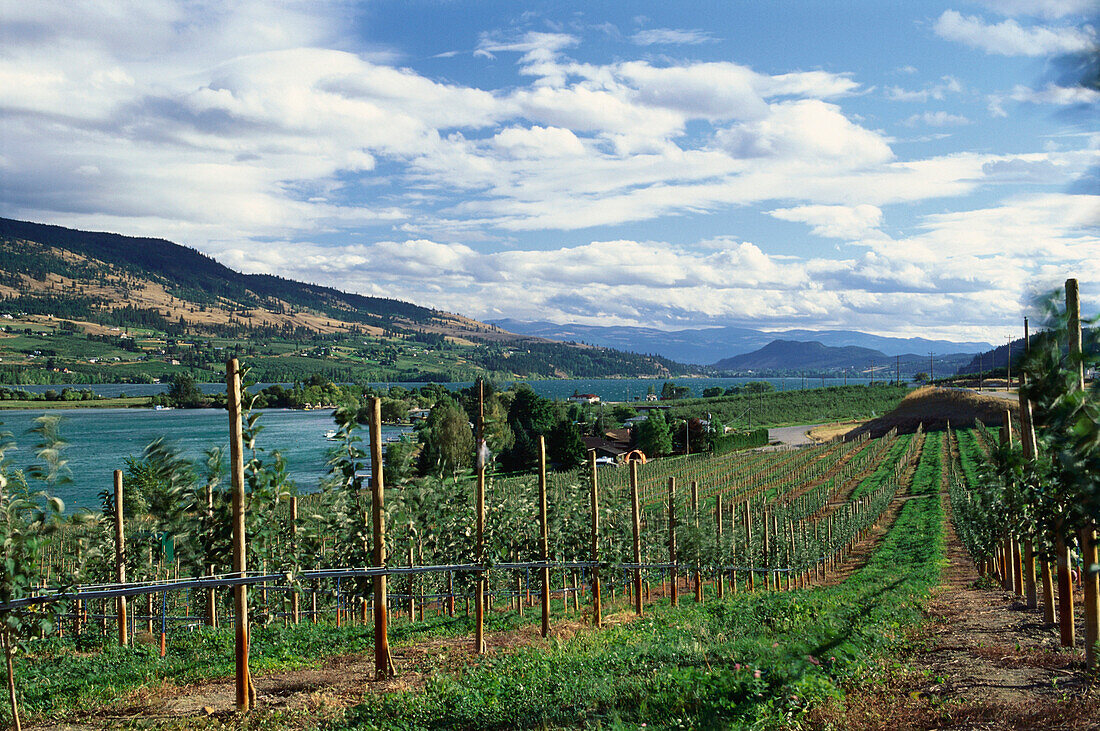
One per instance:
(984, 661)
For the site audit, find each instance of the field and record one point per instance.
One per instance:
(788, 588)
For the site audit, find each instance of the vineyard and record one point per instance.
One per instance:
(741, 587)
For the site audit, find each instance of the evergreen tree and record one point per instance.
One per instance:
(654, 436)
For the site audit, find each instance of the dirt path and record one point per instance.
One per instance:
(339, 682)
(984, 661)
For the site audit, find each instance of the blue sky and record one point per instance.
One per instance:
(917, 168)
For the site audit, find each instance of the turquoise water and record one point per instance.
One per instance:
(609, 389)
(101, 439)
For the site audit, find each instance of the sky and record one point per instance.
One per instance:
(903, 168)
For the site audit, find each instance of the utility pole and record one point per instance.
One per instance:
(1008, 365)
(897, 368)
(931, 369)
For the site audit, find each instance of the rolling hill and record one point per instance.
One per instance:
(707, 345)
(158, 301)
(787, 356)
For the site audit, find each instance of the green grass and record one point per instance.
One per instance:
(752, 659)
(778, 408)
(55, 681)
(885, 469)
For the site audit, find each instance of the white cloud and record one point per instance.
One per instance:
(807, 131)
(1009, 38)
(671, 37)
(838, 222)
(938, 91)
(936, 119)
(1056, 95)
(1041, 8)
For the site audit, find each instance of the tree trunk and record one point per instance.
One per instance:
(15, 724)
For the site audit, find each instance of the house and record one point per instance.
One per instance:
(419, 414)
(584, 398)
(605, 448)
(651, 397)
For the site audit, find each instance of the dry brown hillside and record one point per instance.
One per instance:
(935, 407)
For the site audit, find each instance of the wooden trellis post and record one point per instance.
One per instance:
(479, 509)
(748, 545)
(1030, 448)
(698, 568)
(383, 661)
(245, 691)
(295, 612)
(1090, 579)
(718, 542)
(597, 608)
(636, 523)
(120, 560)
(544, 540)
(674, 593)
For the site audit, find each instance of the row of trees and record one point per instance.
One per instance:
(1045, 489)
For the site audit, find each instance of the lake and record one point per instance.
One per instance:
(101, 439)
(608, 389)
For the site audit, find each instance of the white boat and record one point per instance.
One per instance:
(330, 435)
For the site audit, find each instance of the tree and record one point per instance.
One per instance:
(671, 391)
(184, 393)
(529, 416)
(448, 441)
(713, 391)
(29, 523)
(622, 412)
(565, 446)
(654, 436)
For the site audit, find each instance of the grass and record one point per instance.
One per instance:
(779, 408)
(762, 659)
(759, 658)
(64, 676)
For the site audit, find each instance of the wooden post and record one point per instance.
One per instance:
(1030, 450)
(767, 551)
(479, 509)
(544, 540)
(674, 595)
(211, 593)
(1090, 578)
(1065, 589)
(718, 541)
(383, 661)
(245, 691)
(748, 546)
(636, 522)
(597, 608)
(295, 611)
(120, 560)
(698, 568)
(1046, 578)
(412, 560)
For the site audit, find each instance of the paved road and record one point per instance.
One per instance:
(795, 436)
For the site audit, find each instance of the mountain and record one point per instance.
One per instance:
(708, 345)
(790, 356)
(996, 358)
(148, 300)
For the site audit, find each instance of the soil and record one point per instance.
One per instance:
(339, 682)
(983, 661)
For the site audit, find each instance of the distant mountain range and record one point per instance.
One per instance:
(710, 345)
(787, 356)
